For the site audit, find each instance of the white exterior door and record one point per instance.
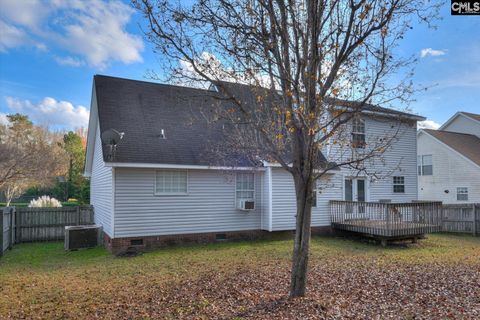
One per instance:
(355, 189)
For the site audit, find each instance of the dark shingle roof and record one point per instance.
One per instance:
(466, 144)
(245, 92)
(142, 109)
(472, 115)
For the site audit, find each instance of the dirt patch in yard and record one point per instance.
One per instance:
(438, 279)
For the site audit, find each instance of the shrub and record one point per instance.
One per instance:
(45, 202)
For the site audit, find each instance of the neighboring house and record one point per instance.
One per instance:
(449, 160)
(160, 186)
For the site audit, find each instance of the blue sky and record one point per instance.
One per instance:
(49, 52)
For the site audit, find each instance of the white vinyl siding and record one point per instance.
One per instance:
(101, 193)
(284, 205)
(398, 160)
(266, 199)
(464, 124)
(451, 170)
(209, 205)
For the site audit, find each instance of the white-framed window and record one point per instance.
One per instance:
(462, 194)
(171, 182)
(425, 165)
(398, 184)
(358, 133)
(245, 186)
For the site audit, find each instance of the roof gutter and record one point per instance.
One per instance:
(177, 166)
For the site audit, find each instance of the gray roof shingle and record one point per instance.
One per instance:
(142, 109)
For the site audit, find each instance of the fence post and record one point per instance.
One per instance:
(13, 213)
(79, 218)
(18, 226)
(474, 214)
(1, 231)
(91, 214)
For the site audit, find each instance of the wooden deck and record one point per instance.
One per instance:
(387, 221)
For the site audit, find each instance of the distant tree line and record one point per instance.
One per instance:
(36, 161)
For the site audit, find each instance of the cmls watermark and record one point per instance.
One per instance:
(465, 7)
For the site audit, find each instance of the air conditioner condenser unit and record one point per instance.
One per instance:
(79, 237)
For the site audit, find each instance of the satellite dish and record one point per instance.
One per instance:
(111, 138)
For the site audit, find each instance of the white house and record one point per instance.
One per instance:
(157, 187)
(449, 161)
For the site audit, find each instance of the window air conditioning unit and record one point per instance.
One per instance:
(79, 237)
(246, 205)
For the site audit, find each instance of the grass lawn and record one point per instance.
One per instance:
(436, 279)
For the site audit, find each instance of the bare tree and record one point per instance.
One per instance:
(311, 68)
(29, 156)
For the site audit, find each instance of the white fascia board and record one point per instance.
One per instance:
(390, 115)
(278, 165)
(92, 133)
(449, 121)
(177, 166)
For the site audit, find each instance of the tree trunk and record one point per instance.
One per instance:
(303, 189)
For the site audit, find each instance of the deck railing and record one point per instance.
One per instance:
(386, 219)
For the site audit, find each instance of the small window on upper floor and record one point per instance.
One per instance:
(358, 133)
(425, 165)
(462, 194)
(399, 184)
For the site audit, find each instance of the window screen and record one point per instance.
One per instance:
(245, 187)
(171, 182)
(462, 194)
(358, 133)
(425, 165)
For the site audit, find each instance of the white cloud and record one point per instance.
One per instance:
(97, 32)
(93, 30)
(69, 61)
(27, 13)
(428, 124)
(432, 52)
(51, 112)
(11, 36)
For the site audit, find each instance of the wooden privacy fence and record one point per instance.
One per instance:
(463, 218)
(6, 231)
(41, 224)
